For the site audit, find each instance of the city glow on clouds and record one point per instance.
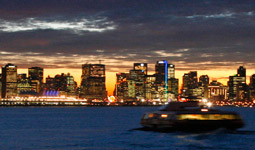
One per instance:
(77, 26)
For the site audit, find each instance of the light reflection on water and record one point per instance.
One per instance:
(108, 128)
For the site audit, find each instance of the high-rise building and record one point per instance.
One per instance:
(203, 84)
(238, 89)
(93, 81)
(190, 85)
(23, 84)
(141, 66)
(204, 80)
(161, 75)
(121, 89)
(171, 71)
(173, 86)
(252, 86)
(151, 90)
(71, 85)
(166, 73)
(241, 71)
(9, 81)
(138, 77)
(35, 75)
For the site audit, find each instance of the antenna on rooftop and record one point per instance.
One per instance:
(100, 61)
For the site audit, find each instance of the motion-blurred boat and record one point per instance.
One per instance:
(190, 116)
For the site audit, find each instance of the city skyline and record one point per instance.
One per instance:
(211, 37)
(111, 78)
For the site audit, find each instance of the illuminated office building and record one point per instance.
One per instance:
(141, 66)
(166, 73)
(171, 71)
(23, 84)
(137, 84)
(93, 81)
(161, 74)
(203, 84)
(173, 87)
(190, 85)
(238, 89)
(71, 85)
(9, 81)
(121, 89)
(252, 86)
(151, 90)
(35, 75)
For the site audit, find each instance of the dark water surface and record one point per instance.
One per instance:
(110, 128)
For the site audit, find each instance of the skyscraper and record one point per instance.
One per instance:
(252, 86)
(9, 80)
(138, 78)
(23, 84)
(35, 76)
(204, 80)
(204, 83)
(141, 66)
(241, 71)
(171, 71)
(238, 88)
(161, 75)
(121, 89)
(93, 81)
(190, 85)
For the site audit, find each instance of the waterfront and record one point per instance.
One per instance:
(108, 128)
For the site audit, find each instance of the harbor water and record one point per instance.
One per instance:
(112, 128)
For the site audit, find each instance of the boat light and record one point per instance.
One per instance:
(204, 110)
(164, 115)
(151, 115)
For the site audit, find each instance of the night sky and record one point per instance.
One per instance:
(208, 36)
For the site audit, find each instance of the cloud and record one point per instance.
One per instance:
(76, 26)
(67, 34)
(221, 15)
(163, 53)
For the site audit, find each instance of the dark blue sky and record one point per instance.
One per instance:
(193, 35)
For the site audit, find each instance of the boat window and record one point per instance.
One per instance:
(207, 117)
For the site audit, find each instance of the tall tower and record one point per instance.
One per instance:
(141, 66)
(9, 80)
(190, 84)
(241, 71)
(93, 81)
(238, 89)
(35, 75)
(162, 75)
(171, 71)
(204, 80)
